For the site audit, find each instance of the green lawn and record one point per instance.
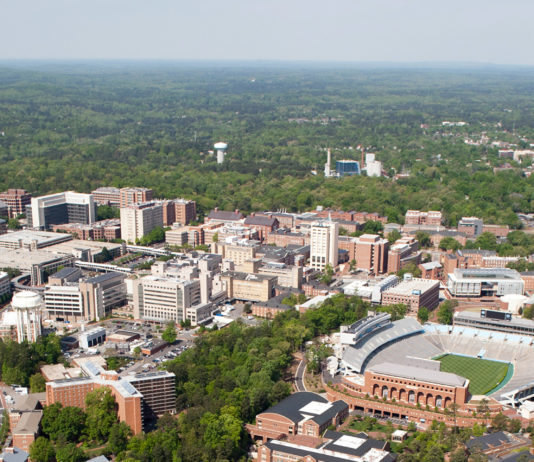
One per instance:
(483, 375)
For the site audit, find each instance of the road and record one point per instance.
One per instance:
(299, 376)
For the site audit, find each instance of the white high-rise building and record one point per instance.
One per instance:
(323, 244)
(138, 220)
(64, 207)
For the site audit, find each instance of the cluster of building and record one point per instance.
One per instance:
(346, 167)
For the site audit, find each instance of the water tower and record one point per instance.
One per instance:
(221, 151)
(28, 306)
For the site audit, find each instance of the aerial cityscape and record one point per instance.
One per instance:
(256, 249)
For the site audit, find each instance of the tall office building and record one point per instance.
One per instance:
(137, 220)
(56, 209)
(180, 211)
(164, 299)
(130, 196)
(16, 201)
(323, 244)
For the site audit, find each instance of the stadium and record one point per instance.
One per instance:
(432, 366)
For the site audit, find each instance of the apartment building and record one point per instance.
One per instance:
(180, 211)
(131, 196)
(16, 201)
(324, 244)
(371, 253)
(64, 207)
(139, 219)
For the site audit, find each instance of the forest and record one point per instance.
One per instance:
(83, 125)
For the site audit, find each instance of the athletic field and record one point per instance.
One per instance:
(484, 375)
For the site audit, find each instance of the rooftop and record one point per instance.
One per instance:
(28, 237)
(420, 374)
(28, 423)
(415, 285)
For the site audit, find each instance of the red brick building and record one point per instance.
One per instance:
(16, 201)
(415, 217)
(371, 253)
(414, 293)
(300, 414)
(264, 225)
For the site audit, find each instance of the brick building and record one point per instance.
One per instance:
(283, 237)
(302, 413)
(497, 230)
(107, 195)
(371, 253)
(431, 270)
(414, 293)
(16, 201)
(415, 217)
(131, 196)
(264, 225)
(403, 252)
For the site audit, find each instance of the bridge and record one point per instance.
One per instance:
(102, 267)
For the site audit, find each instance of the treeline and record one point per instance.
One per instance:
(73, 129)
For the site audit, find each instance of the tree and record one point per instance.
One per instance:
(137, 351)
(37, 383)
(41, 450)
(118, 437)
(499, 422)
(169, 334)
(424, 239)
(422, 315)
(13, 223)
(528, 312)
(373, 227)
(446, 311)
(101, 410)
(393, 236)
(63, 423)
(328, 274)
(69, 453)
(215, 237)
(449, 243)
(105, 255)
(222, 432)
(486, 241)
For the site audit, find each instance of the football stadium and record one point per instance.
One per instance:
(432, 366)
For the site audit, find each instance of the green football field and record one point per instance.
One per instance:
(483, 375)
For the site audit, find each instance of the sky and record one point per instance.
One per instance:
(391, 31)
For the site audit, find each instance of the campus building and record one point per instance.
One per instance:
(371, 253)
(415, 217)
(323, 244)
(65, 207)
(107, 195)
(131, 196)
(16, 201)
(140, 397)
(138, 219)
(414, 293)
(249, 287)
(484, 282)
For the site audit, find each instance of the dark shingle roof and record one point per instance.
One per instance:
(225, 215)
(261, 221)
(491, 440)
(103, 277)
(65, 272)
(290, 407)
(518, 456)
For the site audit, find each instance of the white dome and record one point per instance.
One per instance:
(220, 145)
(26, 299)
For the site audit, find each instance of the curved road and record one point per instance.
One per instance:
(299, 376)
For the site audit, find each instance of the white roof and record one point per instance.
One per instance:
(315, 408)
(26, 299)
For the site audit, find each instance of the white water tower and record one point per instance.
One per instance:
(27, 305)
(221, 151)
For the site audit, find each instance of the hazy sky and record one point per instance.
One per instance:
(487, 31)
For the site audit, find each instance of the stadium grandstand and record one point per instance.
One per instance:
(376, 340)
(355, 357)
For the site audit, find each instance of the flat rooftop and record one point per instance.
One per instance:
(485, 273)
(419, 373)
(76, 244)
(28, 237)
(408, 287)
(475, 316)
(24, 259)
